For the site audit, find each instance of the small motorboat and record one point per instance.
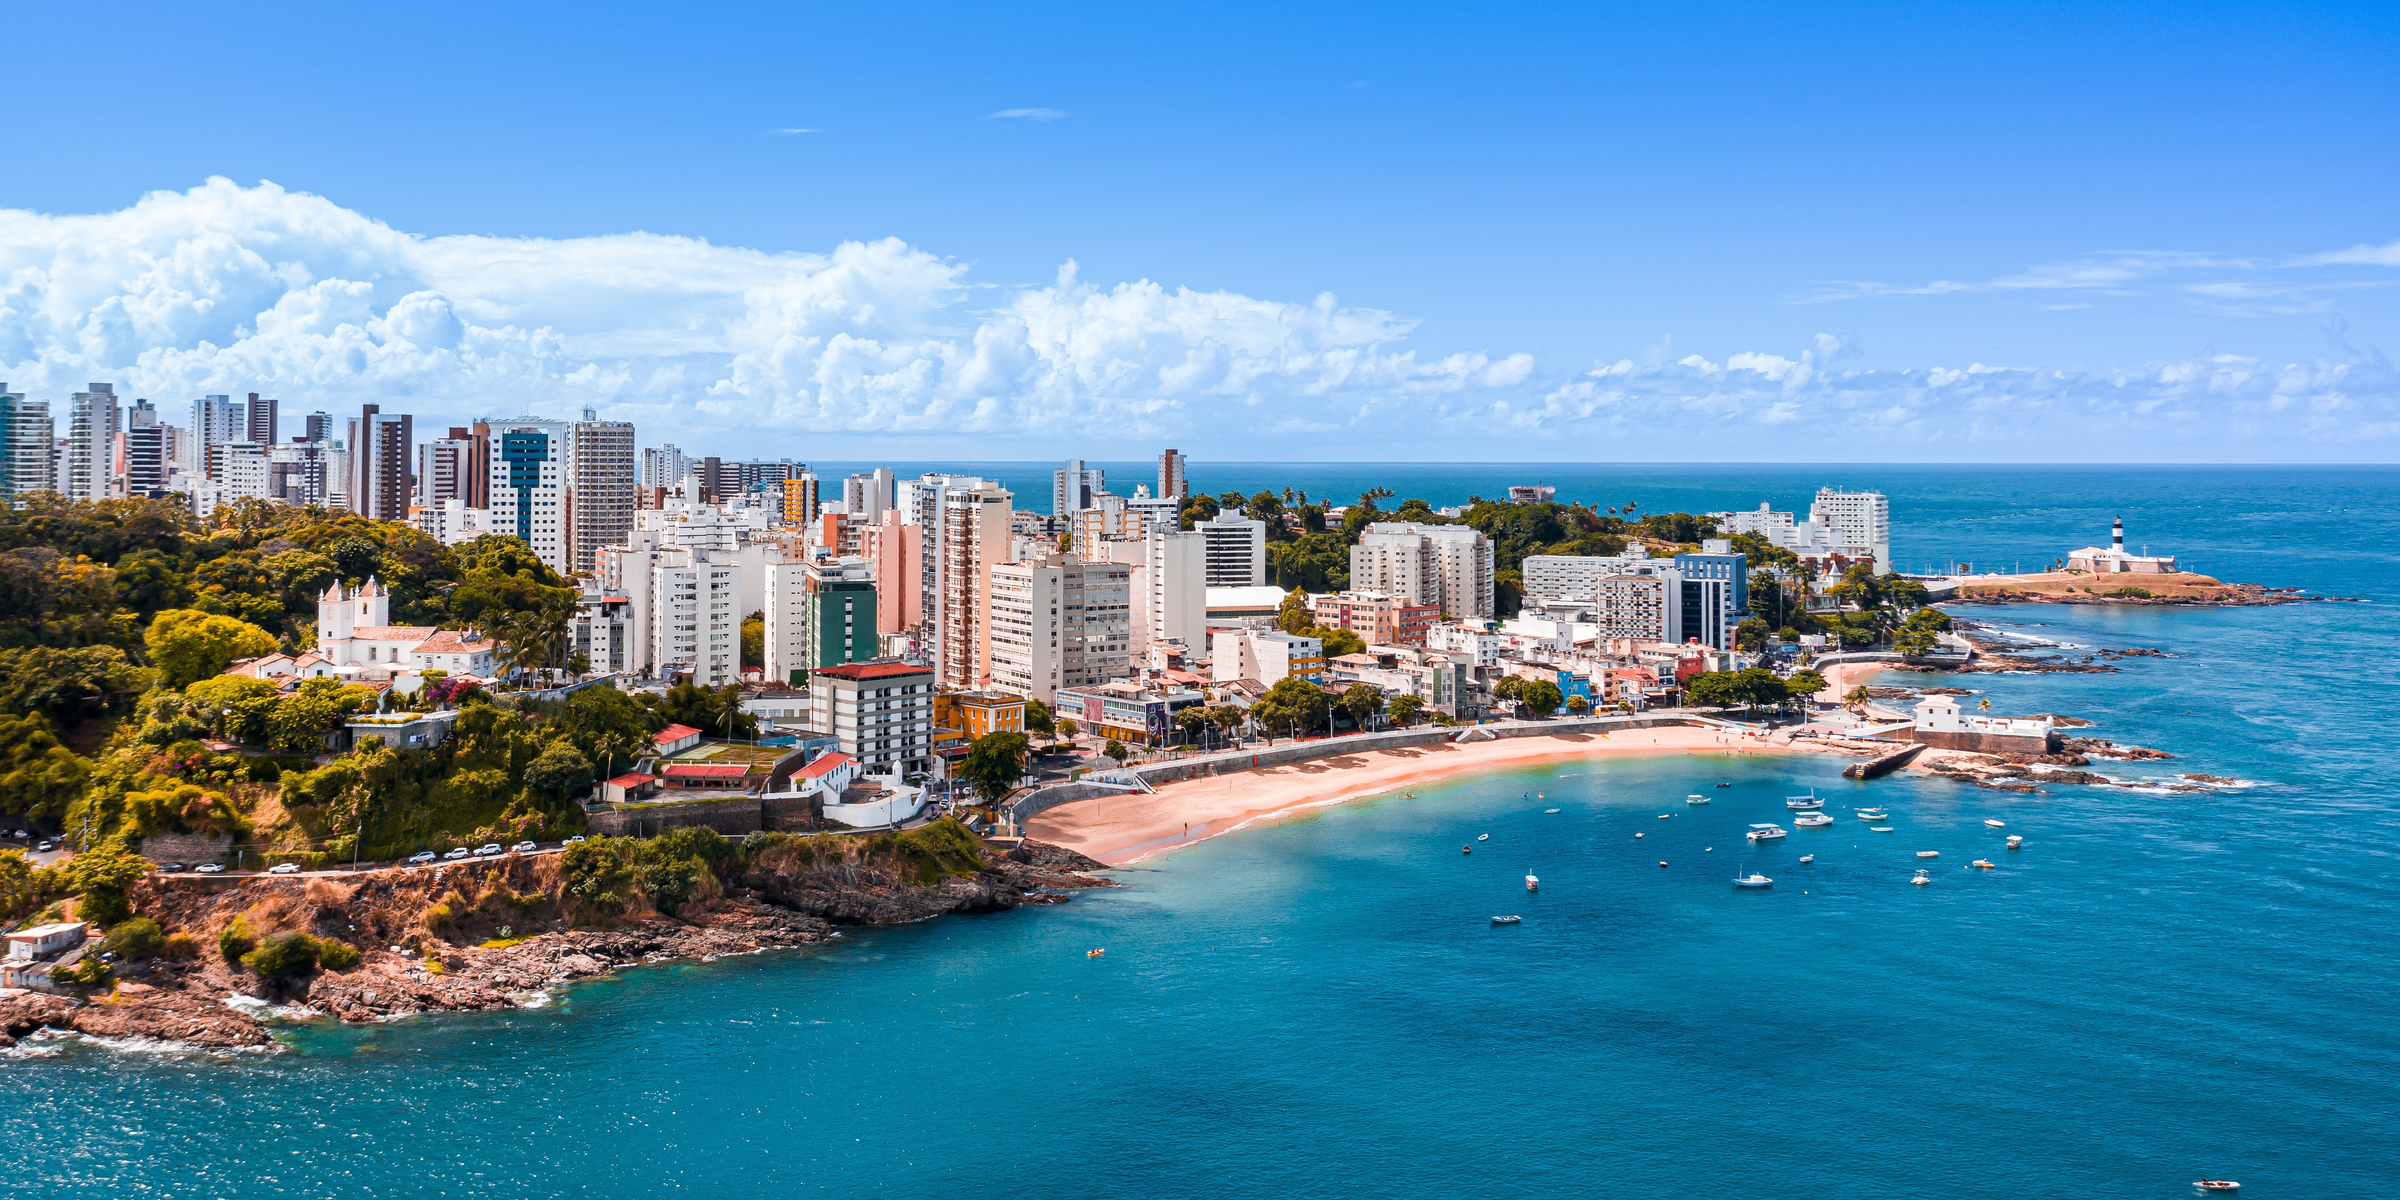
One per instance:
(2219, 1186)
(1981, 864)
(1808, 858)
(1923, 877)
(1466, 849)
(1929, 854)
(1664, 816)
(1532, 884)
(1695, 798)
(1765, 833)
(1541, 795)
(1095, 953)
(1752, 880)
(1483, 837)
(1662, 862)
(1997, 824)
(1807, 803)
(1549, 812)
(2015, 841)
(1873, 814)
(1508, 920)
(1724, 785)
(1879, 829)
(1812, 820)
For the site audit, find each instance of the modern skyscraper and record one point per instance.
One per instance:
(320, 428)
(1072, 488)
(1237, 550)
(301, 472)
(479, 470)
(146, 458)
(975, 534)
(28, 446)
(259, 417)
(530, 473)
(662, 466)
(443, 466)
(600, 495)
(1174, 478)
(381, 446)
(92, 445)
(840, 616)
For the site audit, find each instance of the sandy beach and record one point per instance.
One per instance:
(1123, 829)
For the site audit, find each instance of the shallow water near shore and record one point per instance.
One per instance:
(2161, 986)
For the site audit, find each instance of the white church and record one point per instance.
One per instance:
(353, 629)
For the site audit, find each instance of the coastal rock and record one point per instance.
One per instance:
(2103, 748)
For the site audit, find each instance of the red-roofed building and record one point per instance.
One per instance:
(675, 739)
(879, 712)
(629, 787)
(713, 777)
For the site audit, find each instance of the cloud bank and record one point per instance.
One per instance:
(225, 288)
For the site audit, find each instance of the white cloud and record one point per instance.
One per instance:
(2226, 285)
(791, 131)
(225, 288)
(1030, 114)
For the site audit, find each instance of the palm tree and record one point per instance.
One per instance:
(1858, 699)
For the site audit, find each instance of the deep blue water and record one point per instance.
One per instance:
(2159, 986)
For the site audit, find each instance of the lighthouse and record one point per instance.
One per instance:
(2116, 534)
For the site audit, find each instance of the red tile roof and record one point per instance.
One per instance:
(633, 779)
(706, 770)
(872, 670)
(676, 733)
(825, 762)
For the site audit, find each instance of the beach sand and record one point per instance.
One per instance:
(1123, 829)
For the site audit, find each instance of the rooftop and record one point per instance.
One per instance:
(676, 733)
(706, 770)
(871, 670)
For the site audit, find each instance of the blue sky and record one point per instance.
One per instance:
(1602, 233)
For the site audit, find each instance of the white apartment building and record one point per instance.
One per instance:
(1059, 621)
(1551, 577)
(1237, 550)
(880, 713)
(1448, 565)
(239, 469)
(786, 620)
(1173, 589)
(664, 466)
(1470, 644)
(443, 466)
(867, 495)
(28, 446)
(215, 421)
(91, 466)
(1647, 606)
(529, 480)
(695, 617)
(1073, 489)
(1764, 521)
(451, 522)
(1857, 519)
(1265, 655)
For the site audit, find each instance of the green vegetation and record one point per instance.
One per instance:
(1114, 749)
(234, 941)
(1540, 697)
(283, 956)
(1406, 710)
(994, 764)
(1752, 687)
(136, 937)
(1293, 705)
(334, 954)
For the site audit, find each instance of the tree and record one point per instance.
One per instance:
(1337, 642)
(1192, 722)
(69, 684)
(1407, 710)
(1114, 749)
(559, 773)
(283, 956)
(718, 711)
(1037, 717)
(754, 640)
(1360, 701)
(1540, 697)
(1805, 683)
(1293, 704)
(103, 873)
(136, 937)
(1065, 728)
(300, 720)
(1752, 633)
(995, 763)
(596, 875)
(188, 645)
(1858, 698)
(1508, 687)
(1752, 687)
(1577, 705)
(39, 777)
(606, 725)
(1293, 616)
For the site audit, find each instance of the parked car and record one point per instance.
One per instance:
(210, 868)
(488, 848)
(572, 841)
(461, 852)
(524, 848)
(284, 869)
(171, 868)
(423, 856)
(46, 847)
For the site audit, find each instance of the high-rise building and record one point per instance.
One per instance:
(975, 535)
(895, 550)
(867, 495)
(1174, 599)
(1174, 477)
(694, 611)
(1713, 593)
(1448, 565)
(443, 465)
(215, 421)
(147, 458)
(382, 449)
(301, 472)
(662, 466)
(600, 487)
(839, 612)
(1860, 520)
(1237, 550)
(786, 616)
(259, 419)
(880, 713)
(91, 472)
(320, 428)
(241, 470)
(28, 446)
(1072, 487)
(800, 499)
(1058, 621)
(529, 481)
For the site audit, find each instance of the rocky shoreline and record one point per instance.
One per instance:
(207, 1003)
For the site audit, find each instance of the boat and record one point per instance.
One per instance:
(1466, 849)
(1997, 824)
(2216, 1185)
(1549, 811)
(1808, 858)
(1983, 864)
(1662, 862)
(1483, 837)
(1765, 833)
(1724, 785)
(1923, 877)
(1752, 880)
(1637, 835)
(1532, 884)
(1508, 920)
(1929, 854)
(2015, 841)
(1811, 820)
(1807, 803)
(1873, 814)
(1664, 816)
(1879, 829)
(1695, 798)
(1095, 953)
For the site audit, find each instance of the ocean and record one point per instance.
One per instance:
(2160, 986)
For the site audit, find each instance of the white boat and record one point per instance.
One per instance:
(2015, 840)
(1752, 880)
(1879, 829)
(1664, 816)
(1765, 833)
(1637, 835)
(1873, 814)
(1997, 824)
(1532, 884)
(1807, 803)
(1923, 877)
(1929, 854)
(2216, 1186)
(1811, 820)
(1549, 811)
(1695, 798)
(1506, 920)
(1483, 837)
(1982, 864)
(1808, 858)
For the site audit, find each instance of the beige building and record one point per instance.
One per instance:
(1059, 621)
(975, 535)
(1446, 565)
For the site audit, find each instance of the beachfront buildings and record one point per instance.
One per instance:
(1127, 711)
(1377, 618)
(1266, 655)
(1172, 588)
(1550, 577)
(1237, 550)
(879, 712)
(1059, 621)
(1850, 526)
(1449, 566)
(975, 536)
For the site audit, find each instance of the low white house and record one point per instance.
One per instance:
(1941, 722)
(45, 941)
(860, 801)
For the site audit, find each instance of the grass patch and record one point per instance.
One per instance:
(502, 943)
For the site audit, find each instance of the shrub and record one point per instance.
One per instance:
(283, 955)
(336, 955)
(136, 937)
(179, 947)
(1114, 749)
(235, 942)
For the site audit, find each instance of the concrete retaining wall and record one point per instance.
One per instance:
(732, 818)
(186, 847)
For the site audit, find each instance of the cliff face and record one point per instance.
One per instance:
(495, 934)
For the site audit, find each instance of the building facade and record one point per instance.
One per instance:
(880, 713)
(91, 466)
(975, 535)
(1059, 621)
(381, 453)
(1450, 566)
(1237, 550)
(600, 488)
(530, 474)
(839, 612)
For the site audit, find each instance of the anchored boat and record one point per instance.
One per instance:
(1532, 884)
(1811, 820)
(1752, 880)
(1765, 833)
(1807, 803)
(1510, 920)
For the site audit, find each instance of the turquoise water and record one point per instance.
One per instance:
(2160, 986)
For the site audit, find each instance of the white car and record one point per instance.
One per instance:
(523, 848)
(284, 869)
(573, 841)
(209, 868)
(488, 848)
(461, 852)
(423, 856)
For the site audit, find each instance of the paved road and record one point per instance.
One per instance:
(369, 868)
